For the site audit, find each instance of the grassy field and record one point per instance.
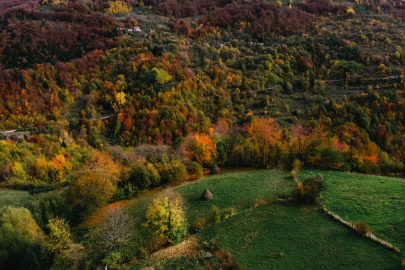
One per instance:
(14, 197)
(377, 200)
(238, 190)
(283, 235)
(306, 238)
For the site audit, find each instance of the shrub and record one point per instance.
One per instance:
(180, 172)
(226, 213)
(214, 215)
(362, 228)
(196, 169)
(113, 260)
(165, 170)
(172, 171)
(59, 237)
(316, 180)
(310, 190)
(153, 174)
(331, 159)
(60, 248)
(200, 223)
(296, 165)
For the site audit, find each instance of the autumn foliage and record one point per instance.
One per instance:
(90, 192)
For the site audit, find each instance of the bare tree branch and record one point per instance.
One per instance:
(115, 232)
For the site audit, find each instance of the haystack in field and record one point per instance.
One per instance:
(215, 169)
(206, 196)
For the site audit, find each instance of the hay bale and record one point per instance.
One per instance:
(215, 169)
(206, 196)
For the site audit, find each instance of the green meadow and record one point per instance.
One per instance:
(285, 235)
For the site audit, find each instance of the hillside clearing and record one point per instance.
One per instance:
(278, 235)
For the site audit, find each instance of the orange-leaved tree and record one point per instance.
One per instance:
(199, 148)
(268, 143)
(102, 163)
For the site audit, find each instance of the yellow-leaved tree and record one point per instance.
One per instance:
(60, 248)
(118, 6)
(18, 171)
(121, 83)
(162, 76)
(165, 219)
(120, 97)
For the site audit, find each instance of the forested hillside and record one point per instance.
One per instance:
(102, 101)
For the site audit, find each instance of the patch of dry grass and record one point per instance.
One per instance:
(188, 247)
(259, 202)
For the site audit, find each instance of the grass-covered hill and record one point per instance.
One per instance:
(286, 235)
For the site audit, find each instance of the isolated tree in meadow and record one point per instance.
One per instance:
(165, 219)
(115, 232)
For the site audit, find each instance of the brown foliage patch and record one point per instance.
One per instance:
(362, 228)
